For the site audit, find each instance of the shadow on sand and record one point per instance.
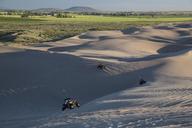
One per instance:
(39, 81)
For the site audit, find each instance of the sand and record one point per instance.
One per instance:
(35, 80)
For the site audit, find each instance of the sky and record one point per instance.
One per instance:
(106, 5)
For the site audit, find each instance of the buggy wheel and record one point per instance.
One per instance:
(63, 108)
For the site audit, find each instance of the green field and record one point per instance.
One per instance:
(37, 29)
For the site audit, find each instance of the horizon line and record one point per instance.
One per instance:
(101, 10)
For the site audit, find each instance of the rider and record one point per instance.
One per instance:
(142, 81)
(70, 103)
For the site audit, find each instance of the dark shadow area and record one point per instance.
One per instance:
(42, 45)
(104, 38)
(184, 25)
(156, 39)
(164, 27)
(85, 36)
(131, 30)
(184, 40)
(183, 33)
(8, 37)
(173, 48)
(162, 39)
(35, 82)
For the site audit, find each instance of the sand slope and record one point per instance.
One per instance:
(35, 80)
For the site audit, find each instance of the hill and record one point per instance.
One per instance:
(72, 9)
(46, 10)
(81, 9)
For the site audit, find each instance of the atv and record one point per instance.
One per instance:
(70, 104)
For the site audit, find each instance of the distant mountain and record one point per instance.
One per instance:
(72, 9)
(46, 10)
(81, 9)
(49, 10)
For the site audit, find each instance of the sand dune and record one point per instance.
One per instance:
(35, 80)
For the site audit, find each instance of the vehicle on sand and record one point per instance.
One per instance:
(70, 104)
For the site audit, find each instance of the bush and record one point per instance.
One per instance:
(9, 13)
(60, 15)
(25, 15)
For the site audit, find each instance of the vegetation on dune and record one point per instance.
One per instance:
(27, 29)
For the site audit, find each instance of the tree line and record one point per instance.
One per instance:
(25, 14)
